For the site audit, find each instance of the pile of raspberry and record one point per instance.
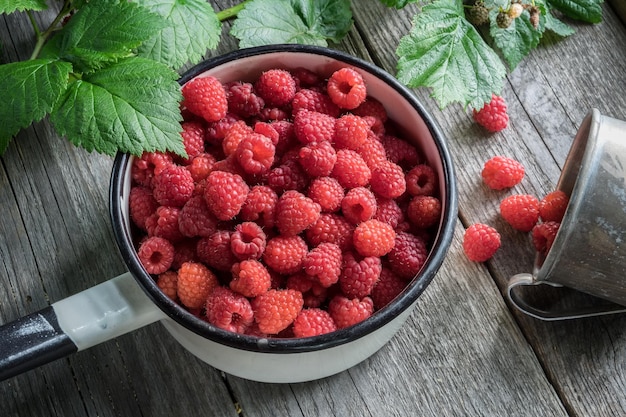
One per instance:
(299, 209)
(523, 212)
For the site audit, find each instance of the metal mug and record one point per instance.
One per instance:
(589, 251)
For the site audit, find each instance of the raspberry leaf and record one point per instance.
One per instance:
(131, 106)
(557, 26)
(194, 28)
(9, 6)
(445, 52)
(32, 88)
(398, 4)
(519, 39)
(585, 10)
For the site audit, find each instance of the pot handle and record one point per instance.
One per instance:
(92, 316)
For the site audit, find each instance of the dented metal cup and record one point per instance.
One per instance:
(589, 251)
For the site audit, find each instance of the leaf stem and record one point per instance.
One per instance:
(231, 11)
(43, 37)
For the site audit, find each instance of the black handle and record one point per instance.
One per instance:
(31, 341)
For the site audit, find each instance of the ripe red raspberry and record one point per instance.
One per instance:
(318, 158)
(286, 135)
(373, 238)
(193, 139)
(275, 310)
(359, 275)
(388, 211)
(272, 114)
(521, 211)
(173, 186)
(371, 107)
(346, 88)
(313, 322)
(164, 223)
(250, 278)
(255, 153)
(358, 205)
(327, 192)
(195, 218)
(229, 310)
(147, 166)
(388, 287)
(228, 164)
(388, 180)
(553, 206)
(424, 211)
(248, 241)
(156, 254)
(234, 136)
(350, 169)
(305, 77)
(260, 206)
(311, 126)
(285, 254)
(347, 312)
(313, 293)
(195, 283)
(225, 193)
(242, 100)
(267, 130)
(408, 255)
(287, 176)
(276, 86)
(350, 132)
(493, 116)
(480, 242)
(372, 151)
(307, 99)
(168, 283)
(215, 251)
(421, 180)
(205, 97)
(216, 131)
(323, 264)
(201, 166)
(295, 212)
(400, 152)
(141, 204)
(333, 228)
(543, 235)
(501, 172)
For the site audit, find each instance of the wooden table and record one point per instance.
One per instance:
(463, 352)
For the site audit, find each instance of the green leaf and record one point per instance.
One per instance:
(131, 106)
(102, 32)
(193, 29)
(398, 4)
(557, 26)
(444, 51)
(265, 22)
(30, 89)
(586, 10)
(516, 41)
(9, 6)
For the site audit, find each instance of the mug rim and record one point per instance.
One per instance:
(381, 317)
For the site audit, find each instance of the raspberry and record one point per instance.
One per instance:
(312, 126)
(215, 251)
(358, 276)
(421, 180)
(535, 12)
(164, 223)
(270, 114)
(388, 286)
(323, 264)
(327, 192)
(350, 169)
(201, 166)
(286, 135)
(373, 238)
(156, 254)
(216, 131)
(255, 153)
(193, 139)
(424, 211)
(350, 132)
(184, 251)
(275, 310)
(316, 101)
(400, 151)
(388, 211)
(543, 235)
(267, 130)
(313, 322)
(285, 254)
(195, 283)
(521, 211)
(501, 172)
(147, 166)
(228, 164)
(260, 206)
(503, 20)
(408, 255)
(173, 186)
(372, 151)
(234, 136)
(332, 228)
(228, 310)
(195, 218)
(277, 87)
(313, 293)
(478, 14)
(305, 77)
(250, 278)
(248, 241)
(287, 176)
(358, 205)
(515, 10)
(347, 312)
(493, 116)
(553, 206)
(388, 180)
(346, 88)
(141, 204)
(295, 212)
(318, 158)
(242, 99)
(480, 242)
(225, 193)
(371, 107)
(168, 283)
(205, 97)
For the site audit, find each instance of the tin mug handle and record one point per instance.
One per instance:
(526, 279)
